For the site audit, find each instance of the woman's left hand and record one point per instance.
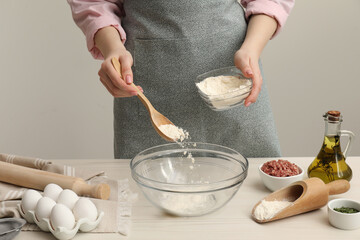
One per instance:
(259, 31)
(248, 62)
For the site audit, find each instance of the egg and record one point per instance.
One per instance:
(29, 200)
(52, 191)
(44, 207)
(85, 208)
(68, 198)
(61, 216)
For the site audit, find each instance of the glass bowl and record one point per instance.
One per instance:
(228, 100)
(191, 179)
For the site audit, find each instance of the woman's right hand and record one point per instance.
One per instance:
(116, 84)
(119, 85)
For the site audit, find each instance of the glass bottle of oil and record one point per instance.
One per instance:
(330, 165)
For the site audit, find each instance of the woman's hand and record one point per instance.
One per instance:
(248, 62)
(116, 84)
(260, 29)
(109, 43)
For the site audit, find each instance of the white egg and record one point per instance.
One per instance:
(68, 198)
(61, 216)
(44, 207)
(29, 200)
(52, 191)
(85, 208)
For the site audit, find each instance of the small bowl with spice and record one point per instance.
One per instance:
(276, 174)
(223, 88)
(344, 213)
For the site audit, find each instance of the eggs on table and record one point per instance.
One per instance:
(30, 200)
(62, 207)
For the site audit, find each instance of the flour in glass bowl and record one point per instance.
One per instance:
(223, 84)
(188, 204)
(223, 92)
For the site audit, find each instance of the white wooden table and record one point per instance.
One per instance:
(233, 221)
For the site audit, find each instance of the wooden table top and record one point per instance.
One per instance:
(233, 221)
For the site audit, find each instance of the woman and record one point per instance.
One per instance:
(164, 45)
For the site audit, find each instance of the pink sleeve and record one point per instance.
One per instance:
(278, 9)
(90, 16)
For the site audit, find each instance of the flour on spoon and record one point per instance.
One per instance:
(174, 132)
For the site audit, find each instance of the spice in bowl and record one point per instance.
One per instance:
(280, 168)
(346, 210)
(344, 213)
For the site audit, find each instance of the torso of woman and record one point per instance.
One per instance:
(172, 42)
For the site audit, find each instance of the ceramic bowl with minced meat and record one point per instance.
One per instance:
(280, 173)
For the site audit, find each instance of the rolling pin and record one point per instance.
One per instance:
(38, 179)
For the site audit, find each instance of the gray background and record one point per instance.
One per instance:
(52, 104)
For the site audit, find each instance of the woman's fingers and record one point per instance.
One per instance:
(113, 75)
(126, 62)
(242, 62)
(249, 66)
(118, 84)
(115, 90)
(257, 82)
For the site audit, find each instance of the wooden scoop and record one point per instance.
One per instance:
(157, 119)
(306, 195)
(38, 179)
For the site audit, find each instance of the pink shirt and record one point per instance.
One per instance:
(91, 16)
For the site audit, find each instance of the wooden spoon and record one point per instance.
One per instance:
(157, 119)
(306, 195)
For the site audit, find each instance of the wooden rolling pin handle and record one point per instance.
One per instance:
(38, 179)
(338, 186)
(100, 191)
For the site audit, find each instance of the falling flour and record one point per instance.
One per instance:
(180, 136)
(268, 209)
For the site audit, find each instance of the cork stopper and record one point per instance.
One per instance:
(333, 116)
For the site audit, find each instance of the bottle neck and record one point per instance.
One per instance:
(332, 128)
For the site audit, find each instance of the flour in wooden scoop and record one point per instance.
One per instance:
(268, 209)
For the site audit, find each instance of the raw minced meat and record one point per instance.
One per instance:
(280, 168)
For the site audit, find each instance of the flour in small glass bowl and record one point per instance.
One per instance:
(222, 92)
(222, 85)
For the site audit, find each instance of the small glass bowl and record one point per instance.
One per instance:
(224, 101)
(190, 180)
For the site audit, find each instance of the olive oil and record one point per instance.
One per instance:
(330, 165)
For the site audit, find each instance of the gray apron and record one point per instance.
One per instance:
(172, 42)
